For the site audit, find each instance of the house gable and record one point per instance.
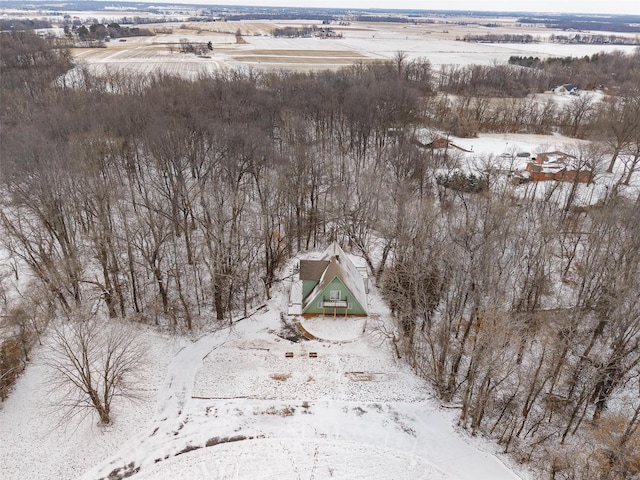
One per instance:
(566, 88)
(339, 289)
(335, 298)
(348, 272)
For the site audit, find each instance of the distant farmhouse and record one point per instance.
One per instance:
(558, 166)
(566, 89)
(332, 285)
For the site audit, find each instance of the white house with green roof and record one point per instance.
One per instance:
(332, 285)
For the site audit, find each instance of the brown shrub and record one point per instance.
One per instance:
(11, 365)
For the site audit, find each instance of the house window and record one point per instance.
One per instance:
(350, 306)
(334, 295)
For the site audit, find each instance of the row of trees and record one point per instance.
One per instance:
(617, 72)
(175, 202)
(186, 197)
(527, 38)
(614, 121)
(501, 38)
(100, 32)
(529, 319)
(595, 39)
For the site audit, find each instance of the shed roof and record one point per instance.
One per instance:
(555, 155)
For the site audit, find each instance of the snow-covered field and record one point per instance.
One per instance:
(233, 405)
(142, 56)
(435, 38)
(361, 42)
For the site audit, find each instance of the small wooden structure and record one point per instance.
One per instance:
(439, 144)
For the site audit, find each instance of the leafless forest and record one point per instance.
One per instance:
(176, 203)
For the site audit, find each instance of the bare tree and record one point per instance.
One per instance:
(92, 363)
(632, 158)
(620, 121)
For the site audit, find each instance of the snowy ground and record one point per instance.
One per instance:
(352, 412)
(293, 458)
(233, 405)
(508, 145)
(38, 443)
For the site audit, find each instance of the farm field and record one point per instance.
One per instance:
(360, 42)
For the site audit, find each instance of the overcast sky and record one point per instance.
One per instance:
(570, 6)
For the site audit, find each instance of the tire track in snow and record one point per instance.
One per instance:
(171, 401)
(181, 374)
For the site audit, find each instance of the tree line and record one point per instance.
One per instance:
(175, 202)
(616, 73)
(553, 38)
(572, 22)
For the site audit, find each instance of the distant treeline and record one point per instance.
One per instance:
(116, 31)
(327, 16)
(381, 18)
(304, 32)
(571, 39)
(594, 39)
(576, 63)
(615, 23)
(144, 20)
(99, 32)
(205, 19)
(501, 38)
(524, 61)
(278, 15)
(295, 32)
(22, 24)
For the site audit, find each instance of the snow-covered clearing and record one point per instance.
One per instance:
(38, 442)
(508, 145)
(233, 404)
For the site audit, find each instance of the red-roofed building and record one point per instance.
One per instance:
(558, 166)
